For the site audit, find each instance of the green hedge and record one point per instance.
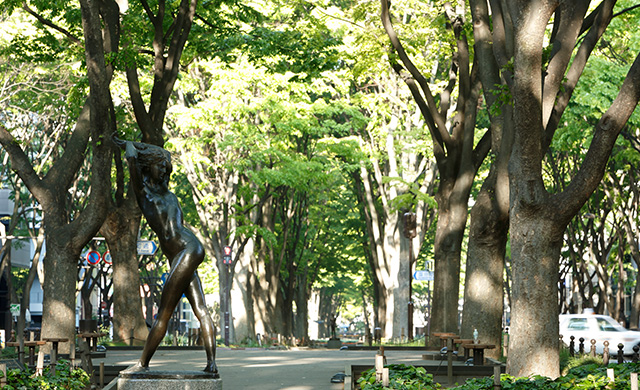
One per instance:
(589, 376)
(64, 379)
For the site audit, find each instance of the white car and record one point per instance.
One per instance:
(599, 327)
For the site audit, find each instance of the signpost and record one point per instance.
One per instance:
(147, 247)
(423, 275)
(107, 257)
(226, 258)
(93, 257)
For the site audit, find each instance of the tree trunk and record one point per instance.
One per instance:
(59, 289)
(242, 302)
(301, 330)
(483, 297)
(533, 345)
(452, 218)
(121, 233)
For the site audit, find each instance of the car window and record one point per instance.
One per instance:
(607, 326)
(577, 324)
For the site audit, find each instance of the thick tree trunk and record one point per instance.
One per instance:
(533, 345)
(244, 324)
(59, 289)
(301, 330)
(121, 233)
(452, 218)
(483, 298)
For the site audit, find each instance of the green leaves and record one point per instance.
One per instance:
(64, 378)
(401, 377)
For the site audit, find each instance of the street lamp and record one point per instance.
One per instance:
(410, 233)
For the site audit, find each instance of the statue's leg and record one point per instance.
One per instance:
(180, 275)
(195, 294)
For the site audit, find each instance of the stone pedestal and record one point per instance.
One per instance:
(168, 380)
(334, 344)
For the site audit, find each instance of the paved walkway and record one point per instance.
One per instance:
(253, 369)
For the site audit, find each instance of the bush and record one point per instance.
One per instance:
(401, 377)
(581, 373)
(64, 379)
(584, 375)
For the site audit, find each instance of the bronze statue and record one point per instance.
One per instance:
(150, 168)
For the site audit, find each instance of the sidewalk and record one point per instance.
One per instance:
(264, 369)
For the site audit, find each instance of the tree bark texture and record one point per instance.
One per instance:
(537, 218)
(121, 233)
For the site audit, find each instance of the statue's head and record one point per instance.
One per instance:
(157, 161)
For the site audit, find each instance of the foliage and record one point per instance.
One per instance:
(64, 378)
(585, 376)
(401, 377)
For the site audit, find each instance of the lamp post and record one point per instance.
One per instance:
(410, 233)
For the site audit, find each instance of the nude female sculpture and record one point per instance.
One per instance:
(150, 168)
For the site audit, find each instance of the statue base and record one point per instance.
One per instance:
(334, 343)
(168, 380)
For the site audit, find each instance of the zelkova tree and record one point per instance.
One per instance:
(66, 238)
(543, 84)
(458, 156)
(161, 51)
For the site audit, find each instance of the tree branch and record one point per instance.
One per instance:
(603, 18)
(606, 132)
(415, 73)
(52, 25)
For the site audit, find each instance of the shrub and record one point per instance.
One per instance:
(64, 379)
(584, 375)
(401, 377)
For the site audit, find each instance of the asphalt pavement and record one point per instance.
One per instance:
(265, 369)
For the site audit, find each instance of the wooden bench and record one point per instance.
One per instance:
(478, 352)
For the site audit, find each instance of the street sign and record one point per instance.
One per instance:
(93, 257)
(423, 275)
(107, 257)
(226, 258)
(14, 308)
(147, 247)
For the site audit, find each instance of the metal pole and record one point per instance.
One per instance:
(228, 303)
(410, 232)
(410, 305)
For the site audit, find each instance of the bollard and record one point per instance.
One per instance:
(3, 379)
(620, 353)
(634, 357)
(72, 354)
(572, 346)
(610, 374)
(633, 378)
(131, 337)
(605, 354)
(379, 365)
(450, 360)
(592, 352)
(385, 377)
(581, 346)
(101, 375)
(40, 364)
(496, 377)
